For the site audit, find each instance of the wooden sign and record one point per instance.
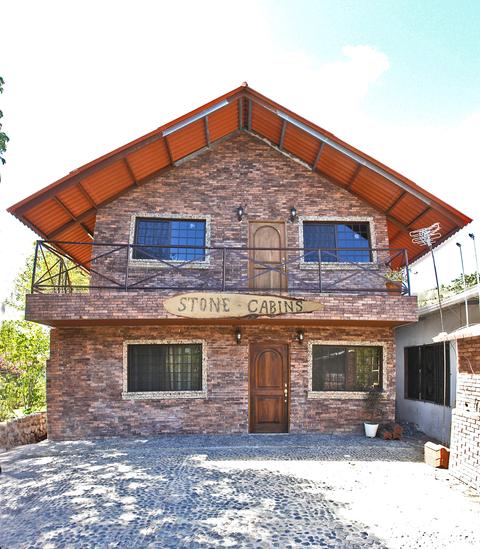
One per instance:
(224, 305)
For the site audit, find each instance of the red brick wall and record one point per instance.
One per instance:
(465, 445)
(241, 171)
(148, 307)
(469, 355)
(84, 383)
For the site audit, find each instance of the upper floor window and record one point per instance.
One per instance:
(338, 242)
(346, 368)
(170, 239)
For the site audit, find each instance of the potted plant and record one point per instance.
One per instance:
(394, 281)
(373, 408)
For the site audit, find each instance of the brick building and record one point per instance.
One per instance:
(236, 270)
(465, 433)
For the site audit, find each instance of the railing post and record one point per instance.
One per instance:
(320, 270)
(127, 247)
(408, 271)
(223, 270)
(34, 272)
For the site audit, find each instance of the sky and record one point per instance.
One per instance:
(399, 80)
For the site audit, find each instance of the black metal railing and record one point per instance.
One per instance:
(129, 267)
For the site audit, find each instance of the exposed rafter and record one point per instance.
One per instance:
(73, 217)
(169, 151)
(207, 131)
(396, 201)
(130, 171)
(81, 188)
(351, 181)
(282, 134)
(317, 157)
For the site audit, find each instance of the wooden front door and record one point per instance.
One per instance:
(267, 266)
(269, 385)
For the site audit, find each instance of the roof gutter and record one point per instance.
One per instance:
(195, 117)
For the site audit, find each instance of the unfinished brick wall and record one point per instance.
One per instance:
(465, 446)
(84, 383)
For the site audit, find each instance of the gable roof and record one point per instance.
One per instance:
(66, 210)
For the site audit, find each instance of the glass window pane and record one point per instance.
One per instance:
(164, 368)
(319, 236)
(328, 368)
(339, 242)
(170, 239)
(346, 368)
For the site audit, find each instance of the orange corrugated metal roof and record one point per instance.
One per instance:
(66, 209)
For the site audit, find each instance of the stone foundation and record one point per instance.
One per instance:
(25, 430)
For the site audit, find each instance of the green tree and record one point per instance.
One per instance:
(24, 348)
(3, 136)
(48, 268)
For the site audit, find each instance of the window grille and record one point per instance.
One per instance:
(170, 233)
(339, 368)
(338, 242)
(424, 373)
(164, 367)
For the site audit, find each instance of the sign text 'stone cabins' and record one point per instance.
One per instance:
(239, 256)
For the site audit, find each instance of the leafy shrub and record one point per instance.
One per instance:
(24, 350)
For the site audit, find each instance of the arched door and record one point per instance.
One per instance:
(269, 385)
(267, 259)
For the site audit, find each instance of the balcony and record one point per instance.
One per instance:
(122, 284)
(132, 268)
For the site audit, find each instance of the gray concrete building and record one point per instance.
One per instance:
(421, 397)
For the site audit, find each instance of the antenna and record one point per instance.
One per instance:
(464, 282)
(427, 236)
(477, 273)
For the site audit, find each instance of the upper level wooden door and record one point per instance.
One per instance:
(269, 384)
(267, 266)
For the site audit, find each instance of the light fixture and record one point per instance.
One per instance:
(293, 214)
(238, 335)
(240, 213)
(300, 336)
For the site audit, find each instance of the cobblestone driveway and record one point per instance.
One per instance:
(244, 491)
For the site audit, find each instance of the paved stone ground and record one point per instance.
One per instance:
(257, 491)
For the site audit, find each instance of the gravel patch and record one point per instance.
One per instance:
(255, 491)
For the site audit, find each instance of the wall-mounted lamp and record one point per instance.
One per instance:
(300, 336)
(293, 214)
(238, 335)
(240, 213)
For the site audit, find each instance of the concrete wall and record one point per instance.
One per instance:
(432, 419)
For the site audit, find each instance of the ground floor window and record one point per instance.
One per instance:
(425, 376)
(346, 368)
(164, 367)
